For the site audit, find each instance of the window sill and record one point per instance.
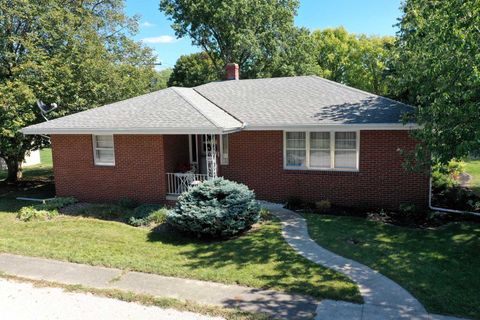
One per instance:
(320, 171)
(104, 165)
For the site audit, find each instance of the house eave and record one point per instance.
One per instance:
(79, 131)
(334, 126)
(287, 127)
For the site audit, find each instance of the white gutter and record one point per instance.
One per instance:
(334, 126)
(46, 131)
(445, 209)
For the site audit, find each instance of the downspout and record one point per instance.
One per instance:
(445, 209)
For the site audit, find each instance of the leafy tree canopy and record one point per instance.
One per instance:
(355, 60)
(247, 32)
(438, 71)
(73, 53)
(193, 70)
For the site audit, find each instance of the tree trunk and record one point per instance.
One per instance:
(14, 170)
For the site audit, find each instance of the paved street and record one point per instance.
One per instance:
(23, 301)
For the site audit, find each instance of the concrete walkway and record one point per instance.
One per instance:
(383, 298)
(276, 304)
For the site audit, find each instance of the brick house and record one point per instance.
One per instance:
(297, 136)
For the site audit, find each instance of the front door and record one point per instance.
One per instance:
(204, 144)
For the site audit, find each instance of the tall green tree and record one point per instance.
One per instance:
(359, 61)
(74, 53)
(295, 56)
(247, 32)
(193, 70)
(438, 71)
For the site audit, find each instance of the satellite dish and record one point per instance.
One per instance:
(44, 109)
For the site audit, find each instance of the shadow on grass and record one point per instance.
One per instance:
(438, 266)
(262, 246)
(101, 211)
(27, 189)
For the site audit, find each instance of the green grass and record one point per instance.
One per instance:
(260, 259)
(42, 170)
(472, 167)
(439, 267)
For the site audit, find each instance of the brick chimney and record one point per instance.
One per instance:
(232, 71)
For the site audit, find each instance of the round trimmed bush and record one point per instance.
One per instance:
(218, 208)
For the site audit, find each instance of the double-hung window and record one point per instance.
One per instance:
(345, 150)
(296, 149)
(321, 150)
(103, 150)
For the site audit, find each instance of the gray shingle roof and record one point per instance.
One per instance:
(230, 105)
(169, 110)
(297, 101)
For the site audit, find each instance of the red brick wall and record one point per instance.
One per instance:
(176, 151)
(256, 159)
(138, 172)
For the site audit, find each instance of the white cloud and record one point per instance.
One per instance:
(147, 24)
(160, 39)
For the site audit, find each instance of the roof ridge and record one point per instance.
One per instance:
(209, 100)
(251, 79)
(214, 114)
(196, 108)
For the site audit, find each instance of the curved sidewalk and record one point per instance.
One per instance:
(383, 298)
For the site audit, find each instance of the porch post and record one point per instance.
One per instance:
(211, 155)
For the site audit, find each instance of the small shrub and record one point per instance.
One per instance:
(323, 205)
(408, 209)
(217, 208)
(158, 216)
(105, 211)
(136, 222)
(145, 210)
(476, 206)
(442, 181)
(147, 214)
(294, 202)
(57, 203)
(265, 214)
(455, 168)
(378, 215)
(128, 203)
(33, 213)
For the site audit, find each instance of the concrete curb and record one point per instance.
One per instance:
(276, 304)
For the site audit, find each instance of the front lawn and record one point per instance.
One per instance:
(260, 259)
(439, 267)
(472, 167)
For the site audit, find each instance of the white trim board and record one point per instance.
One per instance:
(335, 127)
(327, 127)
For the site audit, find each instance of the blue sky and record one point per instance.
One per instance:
(372, 17)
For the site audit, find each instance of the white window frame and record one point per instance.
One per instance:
(95, 148)
(332, 151)
(223, 160)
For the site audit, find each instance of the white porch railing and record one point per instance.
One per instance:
(180, 182)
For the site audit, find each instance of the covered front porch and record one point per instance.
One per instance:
(198, 164)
